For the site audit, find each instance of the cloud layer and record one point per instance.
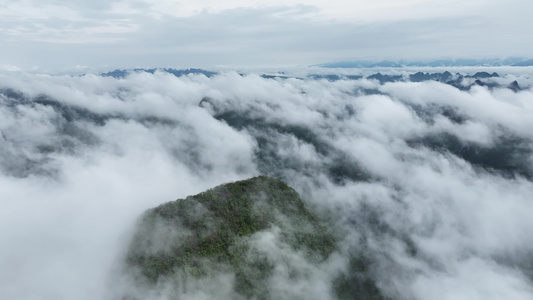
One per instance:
(433, 183)
(54, 35)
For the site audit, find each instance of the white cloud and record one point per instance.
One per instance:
(30, 11)
(342, 10)
(71, 189)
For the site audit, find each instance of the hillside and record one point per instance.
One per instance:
(254, 234)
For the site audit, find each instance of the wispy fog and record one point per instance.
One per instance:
(432, 182)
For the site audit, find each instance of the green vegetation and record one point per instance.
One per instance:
(255, 230)
(212, 231)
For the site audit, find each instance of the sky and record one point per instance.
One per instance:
(44, 35)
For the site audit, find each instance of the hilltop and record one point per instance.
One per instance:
(250, 234)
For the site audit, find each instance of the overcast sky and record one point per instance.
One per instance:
(56, 35)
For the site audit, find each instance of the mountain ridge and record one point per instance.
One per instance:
(513, 61)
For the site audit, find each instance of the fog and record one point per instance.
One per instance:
(432, 182)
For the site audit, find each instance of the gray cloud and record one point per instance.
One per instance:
(55, 36)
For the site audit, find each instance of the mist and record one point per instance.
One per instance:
(432, 182)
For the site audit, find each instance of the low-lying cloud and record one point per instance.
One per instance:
(433, 183)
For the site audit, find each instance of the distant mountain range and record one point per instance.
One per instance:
(178, 73)
(514, 61)
(457, 80)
